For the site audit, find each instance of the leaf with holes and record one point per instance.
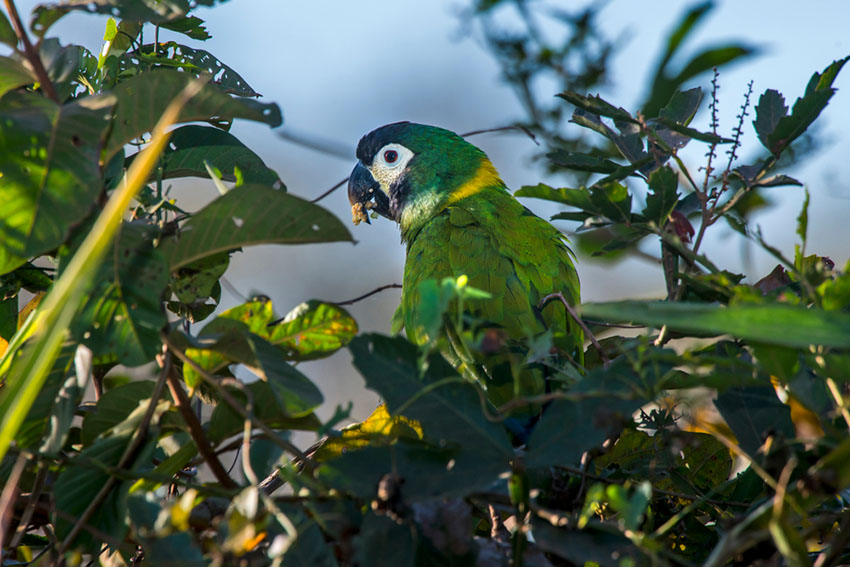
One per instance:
(49, 158)
(313, 330)
(142, 100)
(155, 11)
(250, 215)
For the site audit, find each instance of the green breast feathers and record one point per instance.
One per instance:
(457, 218)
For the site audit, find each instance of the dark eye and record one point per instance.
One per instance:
(390, 156)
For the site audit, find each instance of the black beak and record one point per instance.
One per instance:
(364, 193)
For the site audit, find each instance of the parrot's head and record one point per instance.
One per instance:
(410, 172)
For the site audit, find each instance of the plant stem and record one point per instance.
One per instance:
(31, 53)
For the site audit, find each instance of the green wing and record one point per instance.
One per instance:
(502, 248)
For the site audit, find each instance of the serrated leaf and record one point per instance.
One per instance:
(51, 177)
(597, 105)
(123, 317)
(447, 407)
(612, 200)
(770, 110)
(191, 147)
(768, 323)
(806, 109)
(249, 215)
(143, 98)
(663, 195)
(190, 26)
(313, 330)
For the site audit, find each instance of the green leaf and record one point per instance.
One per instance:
(78, 484)
(803, 220)
(596, 544)
(663, 195)
(578, 198)
(114, 407)
(753, 412)
(313, 330)
(773, 324)
(707, 460)
(582, 162)
(570, 427)
(191, 147)
(155, 11)
(198, 280)
(185, 58)
(769, 111)
(190, 26)
(806, 109)
(385, 543)
(7, 34)
(142, 100)
(447, 407)
(14, 74)
(49, 158)
(123, 316)
(682, 106)
(612, 200)
(249, 215)
(225, 422)
(34, 427)
(309, 549)
(596, 105)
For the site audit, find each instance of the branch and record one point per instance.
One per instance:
(329, 191)
(31, 53)
(128, 454)
(371, 293)
(197, 432)
(559, 295)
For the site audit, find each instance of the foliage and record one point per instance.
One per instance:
(716, 434)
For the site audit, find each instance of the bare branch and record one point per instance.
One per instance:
(371, 293)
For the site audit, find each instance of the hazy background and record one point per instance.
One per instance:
(338, 69)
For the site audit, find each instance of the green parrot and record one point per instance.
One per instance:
(458, 218)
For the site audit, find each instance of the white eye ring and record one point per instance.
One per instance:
(393, 156)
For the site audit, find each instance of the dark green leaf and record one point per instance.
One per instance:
(142, 100)
(156, 11)
(385, 543)
(197, 280)
(612, 200)
(769, 111)
(774, 324)
(711, 58)
(313, 330)
(682, 106)
(191, 147)
(582, 162)
(309, 549)
(596, 105)
(663, 195)
(7, 34)
(49, 158)
(249, 215)
(123, 316)
(690, 133)
(190, 26)
(600, 546)
(34, 427)
(579, 198)
(447, 407)
(806, 109)
(114, 407)
(752, 413)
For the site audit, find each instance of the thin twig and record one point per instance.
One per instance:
(369, 294)
(9, 495)
(29, 511)
(197, 433)
(522, 129)
(128, 454)
(331, 190)
(577, 319)
(32, 55)
(235, 405)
